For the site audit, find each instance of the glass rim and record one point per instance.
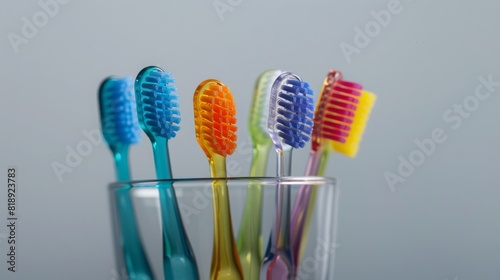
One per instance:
(288, 180)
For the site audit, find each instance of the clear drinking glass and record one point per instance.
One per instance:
(194, 197)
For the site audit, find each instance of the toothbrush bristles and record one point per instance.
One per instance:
(215, 118)
(118, 112)
(336, 111)
(158, 102)
(295, 113)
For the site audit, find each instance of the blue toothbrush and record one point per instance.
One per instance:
(159, 117)
(290, 124)
(120, 130)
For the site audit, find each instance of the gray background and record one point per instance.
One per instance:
(441, 223)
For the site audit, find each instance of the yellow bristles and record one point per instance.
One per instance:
(362, 113)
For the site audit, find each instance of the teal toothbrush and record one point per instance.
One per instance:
(120, 130)
(159, 117)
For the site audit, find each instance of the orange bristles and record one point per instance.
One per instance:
(215, 121)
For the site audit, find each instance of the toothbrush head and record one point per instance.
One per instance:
(157, 103)
(335, 110)
(351, 145)
(118, 112)
(319, 114)
(214, 118)
(259, 110)
(290, 112)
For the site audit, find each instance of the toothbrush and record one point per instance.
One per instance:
(120, 129)
(249, 238)
(215, 124)
(340, 111)
(349, 148)
(332, 121)
(159, 117)
(289, 125)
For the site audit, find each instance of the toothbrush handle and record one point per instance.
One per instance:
(179, 261)
(304, 204)
(135, 259)
(278, 262)
(284, 162)
(249, 238)
(120, 155)
(225, 259)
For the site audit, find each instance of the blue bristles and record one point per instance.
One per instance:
(295, 113)
(118, 112)
(157, 102)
